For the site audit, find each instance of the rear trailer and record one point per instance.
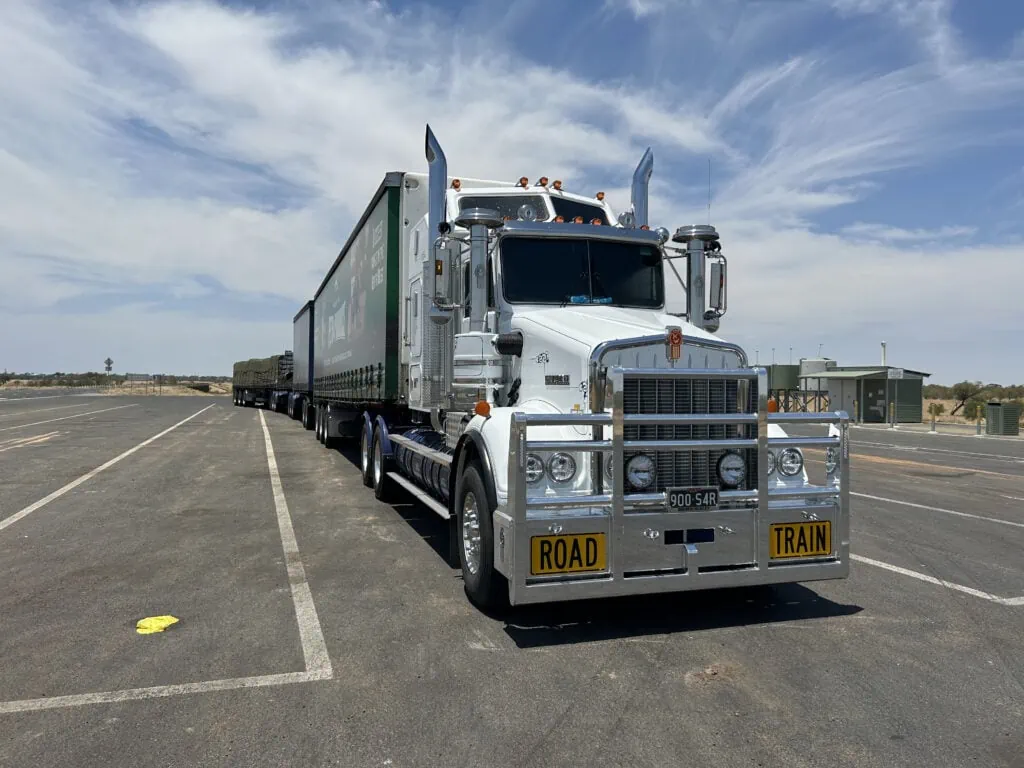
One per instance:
(263, 381)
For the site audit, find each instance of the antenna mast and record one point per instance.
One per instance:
(709, 190)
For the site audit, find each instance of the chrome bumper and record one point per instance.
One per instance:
(649, 547)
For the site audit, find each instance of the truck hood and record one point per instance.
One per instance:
(586, 327)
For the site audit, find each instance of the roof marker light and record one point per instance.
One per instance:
(557, 184)
(456, 184)
(542, 181)
(523, 182)
(578, 220)
(596, 221)
(600, 195)
(559, 219)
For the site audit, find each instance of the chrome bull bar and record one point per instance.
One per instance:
(523, 512)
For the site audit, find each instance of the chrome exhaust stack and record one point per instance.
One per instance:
(436, 185)
(702, 243)
(638, 192)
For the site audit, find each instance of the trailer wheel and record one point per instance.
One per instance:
(365, 458)
(382, 484)
(307, 415)
(319, 424)
(485, 587)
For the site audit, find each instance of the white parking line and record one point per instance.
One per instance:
(939, 509)
(157, 691)
(8, 521)
(924, 449)
(939, 582)
(22, 442)
(65, 418)
(314, 647)
(39, 410)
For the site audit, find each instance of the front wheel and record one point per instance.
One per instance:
(485, 587)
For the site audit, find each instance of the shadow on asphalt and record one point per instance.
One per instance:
(614, 618)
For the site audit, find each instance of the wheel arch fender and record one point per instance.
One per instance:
(471, 446)
(385, 437)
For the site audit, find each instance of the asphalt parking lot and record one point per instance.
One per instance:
(318, 626)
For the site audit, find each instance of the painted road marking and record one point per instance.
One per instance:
(22, 442)
(44, 397)
(314, 647)
(920, 465)
(973, 454)
(64, 418)
(8, 521)
(40, 410)
(939, 509)
(939, 582)
(157, 691)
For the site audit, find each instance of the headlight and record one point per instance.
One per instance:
(831, 459)
(534, 468)
(640, 471)
(731, 469)
(562, 467)
(791, 462)
(771, 462)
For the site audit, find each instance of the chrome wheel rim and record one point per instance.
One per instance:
(364, 453)
(378, 463)
(471, 533)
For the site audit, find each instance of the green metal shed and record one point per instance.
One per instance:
(874, 395)
(1002, 418)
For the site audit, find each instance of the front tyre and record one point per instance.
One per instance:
(485, 587)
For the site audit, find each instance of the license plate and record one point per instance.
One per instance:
(568, 553)
(800, 539)
(705, 497)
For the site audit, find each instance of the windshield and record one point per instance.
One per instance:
(570, 209)
(569, 271)
(505, 205)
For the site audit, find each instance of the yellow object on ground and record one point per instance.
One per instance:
(152, 624)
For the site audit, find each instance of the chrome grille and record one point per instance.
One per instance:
(677, 395)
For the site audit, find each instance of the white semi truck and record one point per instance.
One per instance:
(503, 351)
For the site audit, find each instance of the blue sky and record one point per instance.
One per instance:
(178, 175)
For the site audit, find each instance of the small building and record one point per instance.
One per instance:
(866, 392)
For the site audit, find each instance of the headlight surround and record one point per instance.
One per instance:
(831, 459)
(790, 462)
(771, 462)
(534, 468)
(640, 471)
(732, 468)
(562, 467)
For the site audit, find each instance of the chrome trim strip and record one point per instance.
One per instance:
(422, 450)
(669, 419)
(689, 445)
(568, 445)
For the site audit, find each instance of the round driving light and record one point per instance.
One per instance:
(640, 471)
(527, 212)
(627, 219)
(831, 459)
(562, 467)
(731, 469)
(771, 462)
(534, 468)
(791, 461)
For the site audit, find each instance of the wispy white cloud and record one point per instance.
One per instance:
(887, 234)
